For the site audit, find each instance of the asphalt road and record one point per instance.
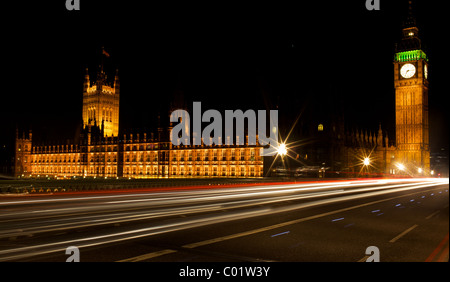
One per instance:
(330, 221)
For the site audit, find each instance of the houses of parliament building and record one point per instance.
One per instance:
(101, 152)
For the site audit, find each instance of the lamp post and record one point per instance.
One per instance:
(366, 163)
(282, 151)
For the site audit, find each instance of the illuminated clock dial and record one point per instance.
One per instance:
(408, 70)
(425, 71)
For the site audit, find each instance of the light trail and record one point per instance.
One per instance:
(165, 199)
(162, 210)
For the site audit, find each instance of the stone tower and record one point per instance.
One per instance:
(411, 100)
(101, 102)
(22, 162)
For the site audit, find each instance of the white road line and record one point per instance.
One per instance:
(403, 233)
(237, 235)
(431, 215)
(143, 232)
(263, 229)
(363, 259)
(148, 256)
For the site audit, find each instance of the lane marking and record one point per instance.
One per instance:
(436, 251)
(444, 255)
(403, 233)
(283, 224)
(267, 228)
(148, 256)
(282, 233)
(431, 215)
(363, 259)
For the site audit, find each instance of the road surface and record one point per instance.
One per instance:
(319, 221)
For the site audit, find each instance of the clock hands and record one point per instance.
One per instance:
(408, 71)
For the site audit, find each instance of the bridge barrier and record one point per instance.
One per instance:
(73, 185)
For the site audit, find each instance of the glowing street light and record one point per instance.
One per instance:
(419, 170)
(366, 161)
(401, 166)
(282, 151)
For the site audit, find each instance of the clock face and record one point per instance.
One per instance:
(425, 71)
(408, 70)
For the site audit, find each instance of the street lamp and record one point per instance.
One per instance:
(366, 161)
(282, 151)
(401, 166)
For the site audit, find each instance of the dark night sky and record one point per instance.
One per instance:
(226, 55)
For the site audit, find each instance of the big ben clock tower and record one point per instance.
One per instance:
(411, 101)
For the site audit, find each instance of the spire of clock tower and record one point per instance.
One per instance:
(410, 20)
(410, 39)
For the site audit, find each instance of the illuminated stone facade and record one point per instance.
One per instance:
(139, 158)
(411, 101)
(101, 103)
(101, 153)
